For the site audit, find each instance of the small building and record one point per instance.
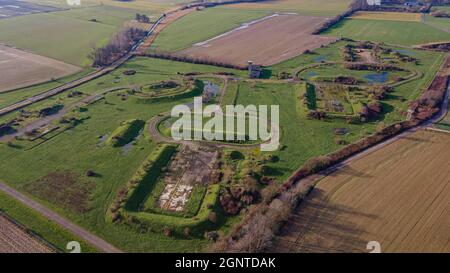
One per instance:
(254, 70)
(412, 4)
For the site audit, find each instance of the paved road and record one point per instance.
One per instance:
(80, 81)
(80, 232)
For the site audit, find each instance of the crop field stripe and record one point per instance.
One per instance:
(84, 234)
(390, 32)
(356, 201)
(255, 41)
(389, 16)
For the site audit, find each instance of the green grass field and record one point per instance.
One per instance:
(200, 26)
(429, 64)
(47, 230)
(304, 7)
(66, 35)
(23, 93)
(440, 23)
(85, 148)
(81, 148)
(113, 165)
(391, 32)
(157, 6)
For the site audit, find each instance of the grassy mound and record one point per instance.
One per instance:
(125, 133)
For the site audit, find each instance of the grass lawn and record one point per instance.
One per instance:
(429, 64)
(304, 7)
(23, 93)
(143, 6)
(301, 138)
(391, 32)
(114, 166)
(66, 35)
(49, 231)
(201, 25)
(440, 23)
(81, 148)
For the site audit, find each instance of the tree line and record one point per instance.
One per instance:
(117, 47)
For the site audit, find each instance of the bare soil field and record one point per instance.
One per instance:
(13, 239)
(12, 8)
(397, 196)
(19, 68)
(264, 42)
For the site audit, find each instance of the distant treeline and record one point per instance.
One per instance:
(355, 6)
(208, 4)
(119, 45)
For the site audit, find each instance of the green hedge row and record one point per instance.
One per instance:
(132, 195)
(127, 207)
(195, 90)
(146, 176)
(175, 225)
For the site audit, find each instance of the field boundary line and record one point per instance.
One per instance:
(82, 233)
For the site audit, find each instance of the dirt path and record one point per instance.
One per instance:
(157, 136)
(53, 216)
(80, 81)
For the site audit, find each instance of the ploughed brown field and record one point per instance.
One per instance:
(19, 68)
(264, 42)
(13, 239)
(397, 196)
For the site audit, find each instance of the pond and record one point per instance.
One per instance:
(129, 146)
(405, 51)
(380, 77)
(311, 74)
(320, 58)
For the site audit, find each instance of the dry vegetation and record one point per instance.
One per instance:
(266, 42)
(392, 16)
(19, 68)
(65, 189)
(396, 196)
(14, 239)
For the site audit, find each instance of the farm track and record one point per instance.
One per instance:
(79, 231)
(293, 242)
(48, 119)
(80, 81)
(53, 216)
